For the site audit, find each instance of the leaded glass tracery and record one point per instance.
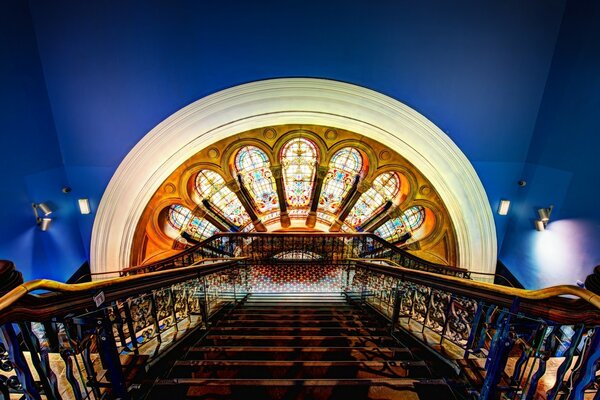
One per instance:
(182, 219)
(392, 230)
(211, 186)
(254, 167)
(385, 187)
(178, 216)
(345, 165)
(414, 217)
(299, 160)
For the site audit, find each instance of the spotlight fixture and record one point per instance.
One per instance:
(539, 225)
(43, 222)
(45, 209)
(84, 206)
(544, 214)
(504, 206)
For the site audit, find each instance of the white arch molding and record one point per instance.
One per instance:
(294, 101)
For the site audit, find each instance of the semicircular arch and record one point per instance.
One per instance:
(283, 101)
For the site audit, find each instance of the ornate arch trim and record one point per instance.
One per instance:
(294, 101)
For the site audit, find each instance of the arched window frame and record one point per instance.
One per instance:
(182, 219)
(344, 166)
(374, 199)
(252, 164)
(413, 217)
(211, 186)
(299, 183)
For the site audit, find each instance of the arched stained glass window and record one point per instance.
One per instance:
(299, 160)
(211, 186)
(385, 187)
(253, 165)
(179, 216)
(182, 219)
(343, 168)
(414, 217)
(392, 230)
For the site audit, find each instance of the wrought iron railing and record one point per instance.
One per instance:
(506, 337)
(333, 248)
(86, 340)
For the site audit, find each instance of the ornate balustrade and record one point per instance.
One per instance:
(506, 337)
(333, 248)
(85, 340)
(82, 341)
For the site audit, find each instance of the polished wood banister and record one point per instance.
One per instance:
(65, 297)
(539, 302)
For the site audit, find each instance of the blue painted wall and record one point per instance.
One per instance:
(31, 165)
(111, 72)
(563, 164)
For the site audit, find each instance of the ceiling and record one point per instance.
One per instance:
(514, 84)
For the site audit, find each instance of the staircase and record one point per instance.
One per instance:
(301, 346)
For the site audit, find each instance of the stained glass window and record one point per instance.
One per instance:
(325, 217)
(211, 186)
(392, 230)
(414, 217)
(182, 219)
(179, 216)
(253, 165)
(297, 255)
(299, 160)
(343, 168)
(385, 187)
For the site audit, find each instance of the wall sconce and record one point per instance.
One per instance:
(503, 207)
(84, 206)
(544, 214)
(45, 210)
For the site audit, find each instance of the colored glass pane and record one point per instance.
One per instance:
(182, 219)
(299, 159)
(414, 217)
(178, 216)
(392, 230)
(343, 168)
(201, 229)
(211, 186)
(253, 165)
(385, 187)
(325, 217)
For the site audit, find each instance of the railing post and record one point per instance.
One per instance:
(589, 365)
(130, 328)
(473, 332)
(566, 364)
(498, 355)
(396, 310)
(110, 355)
(8, 336)
(47, 377)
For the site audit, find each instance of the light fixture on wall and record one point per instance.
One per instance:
(503, 207)
(84, 206)
(42, 220)
(544, 218)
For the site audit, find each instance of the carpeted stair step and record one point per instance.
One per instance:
(299, 341)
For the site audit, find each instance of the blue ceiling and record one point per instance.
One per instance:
(83, 82)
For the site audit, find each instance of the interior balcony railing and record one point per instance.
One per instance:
(511, 343)
(266, 248)
(94, 340)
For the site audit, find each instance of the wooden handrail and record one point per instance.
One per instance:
(61, 297)
(554, 306)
